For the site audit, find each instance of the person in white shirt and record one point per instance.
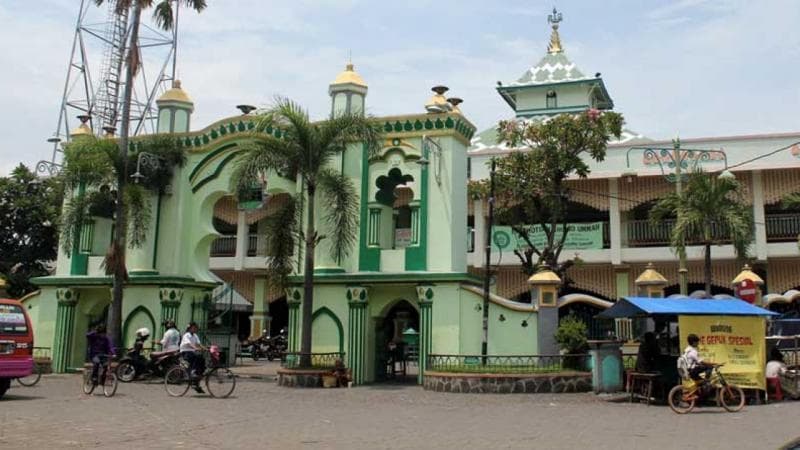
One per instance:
(696, 363)
(171, 340)
(191, 351)
(775, 366)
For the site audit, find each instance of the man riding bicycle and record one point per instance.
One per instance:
(100, 349)
(192, 351)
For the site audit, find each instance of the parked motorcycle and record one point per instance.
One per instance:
(134, 365)
(269, 347)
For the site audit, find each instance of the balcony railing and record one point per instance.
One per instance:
(643, 233)
(225, 246)
(782, 227)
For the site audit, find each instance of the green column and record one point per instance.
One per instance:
(293, 300)
(357, 333)
(170, 305)
(65, 328)
(425, 299)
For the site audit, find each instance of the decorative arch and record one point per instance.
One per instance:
(135, 312)
(569, 299)
(388, 306)
(325, 311)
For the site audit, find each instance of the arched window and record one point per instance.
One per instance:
(552, 100)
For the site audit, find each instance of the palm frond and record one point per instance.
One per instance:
(340, 130)
(791, 201)
(260, 156)
(281, 231)
(137, 207)
(74, 215)
(341, 215)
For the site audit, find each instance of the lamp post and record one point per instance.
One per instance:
(487, 266)
(149, 160)
(671, 159)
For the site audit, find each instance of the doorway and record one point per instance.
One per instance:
(397, 344)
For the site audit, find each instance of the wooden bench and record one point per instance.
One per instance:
(644, 382)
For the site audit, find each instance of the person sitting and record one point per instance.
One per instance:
(648, 353)
(699, 370)
(171, 340)
(100, 349)
(775, 367)
(191, 350)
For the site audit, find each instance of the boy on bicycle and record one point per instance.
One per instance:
(191, 350)
(695, 364)
(100, 349)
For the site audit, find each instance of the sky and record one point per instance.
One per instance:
(692, 68)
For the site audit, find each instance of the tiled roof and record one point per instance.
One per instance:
(552, 68)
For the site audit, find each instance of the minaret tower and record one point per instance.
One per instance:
(174, 110)
(348, 92)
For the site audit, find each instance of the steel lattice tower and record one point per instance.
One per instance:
(97, 95)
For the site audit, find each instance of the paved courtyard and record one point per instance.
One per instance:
(55, 414)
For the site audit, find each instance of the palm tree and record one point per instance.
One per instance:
(164, 18)
(306, 149)
(708, 211)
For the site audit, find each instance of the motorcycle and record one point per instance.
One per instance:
(269, 347)
(134, 365)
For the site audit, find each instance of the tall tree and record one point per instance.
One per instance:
(533, 180)
(709, 211)
(164, 17)
(306, 149)
(29, 210)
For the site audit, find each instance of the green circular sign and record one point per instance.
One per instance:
(501, 239)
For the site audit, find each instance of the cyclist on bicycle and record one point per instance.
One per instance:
(696, 365)
(191, 350)
(100, 349)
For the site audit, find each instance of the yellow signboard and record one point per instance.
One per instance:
(737, 342)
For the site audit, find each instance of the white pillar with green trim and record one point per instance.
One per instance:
(357, 299)
(294, 297)
(65, 328)
(425, 298)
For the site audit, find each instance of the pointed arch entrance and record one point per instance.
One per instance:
(396, 343)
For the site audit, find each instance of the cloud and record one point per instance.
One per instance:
(698, 67)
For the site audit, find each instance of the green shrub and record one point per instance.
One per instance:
(571, 335)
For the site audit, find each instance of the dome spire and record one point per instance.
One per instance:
(555, 40)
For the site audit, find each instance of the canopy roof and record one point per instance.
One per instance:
(645, 306)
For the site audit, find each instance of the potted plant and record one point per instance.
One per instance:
(571, 336)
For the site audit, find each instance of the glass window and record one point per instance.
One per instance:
(552, 100)
(12, 320)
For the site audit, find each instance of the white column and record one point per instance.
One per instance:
(759, 216)
(480, 233)
(614, 221)
(241, 240)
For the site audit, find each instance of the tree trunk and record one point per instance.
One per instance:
(120, 227)
(308, 282)
(707, 269)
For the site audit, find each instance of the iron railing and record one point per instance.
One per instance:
(508, 363)
(42, 353)
(225, 246)
(643, 233)
(782, 227)
(789, 347)
(294, 360)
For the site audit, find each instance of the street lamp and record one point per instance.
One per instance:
(673, 162)
(435, 150)
(48, 168)
(149, 160)
(487, 276)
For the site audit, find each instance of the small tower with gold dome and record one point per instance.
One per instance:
(174, 110)
(348, 92)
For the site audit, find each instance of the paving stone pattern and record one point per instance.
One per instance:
(538, 384)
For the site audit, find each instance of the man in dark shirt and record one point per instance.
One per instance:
(100, 348)
(648, 353)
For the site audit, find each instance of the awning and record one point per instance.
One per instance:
(646, 307)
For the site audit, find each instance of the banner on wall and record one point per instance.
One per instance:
(581, 236)
(736, 341)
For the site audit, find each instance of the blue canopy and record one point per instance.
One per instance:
(646, 306)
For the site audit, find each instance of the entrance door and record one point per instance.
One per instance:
(396, 341)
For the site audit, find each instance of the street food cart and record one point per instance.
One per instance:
(731, 331)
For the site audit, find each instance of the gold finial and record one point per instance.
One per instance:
(555, 40)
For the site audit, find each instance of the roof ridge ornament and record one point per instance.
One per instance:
(555, 40)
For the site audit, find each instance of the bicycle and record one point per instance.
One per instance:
(104, 375)
(33, 378)
(219, 381)
(731, 397)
